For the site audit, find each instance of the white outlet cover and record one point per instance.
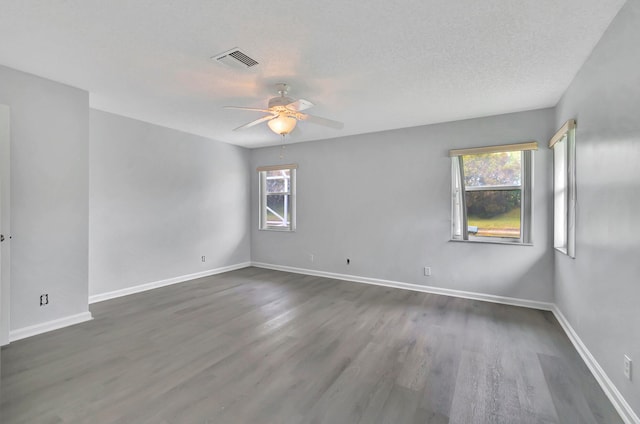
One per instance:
(627, 367)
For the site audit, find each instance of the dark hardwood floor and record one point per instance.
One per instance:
(260, 346)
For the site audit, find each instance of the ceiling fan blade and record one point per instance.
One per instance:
(300, 104)
(256, 122)
(248, 108)
(321, 121)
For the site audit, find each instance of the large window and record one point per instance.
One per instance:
(564, 188)
(277, 197)
(491, 193)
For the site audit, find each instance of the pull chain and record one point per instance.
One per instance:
(282, 149)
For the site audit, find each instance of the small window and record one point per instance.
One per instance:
(564, 188)
(491, 193)
(277, 197)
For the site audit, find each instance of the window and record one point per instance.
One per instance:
(278, 197)
(491, 193)
(564, 188)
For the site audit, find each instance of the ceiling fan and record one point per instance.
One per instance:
(285, 112)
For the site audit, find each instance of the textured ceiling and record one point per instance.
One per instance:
(374, 65)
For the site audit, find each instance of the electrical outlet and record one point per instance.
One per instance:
(627, 367)
(311, 257)
(44, 299)
(204, 259)
(427, 271)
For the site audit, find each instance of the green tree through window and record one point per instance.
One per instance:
(491, 198)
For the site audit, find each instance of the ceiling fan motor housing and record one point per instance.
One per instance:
(284, 113)
(280, 101)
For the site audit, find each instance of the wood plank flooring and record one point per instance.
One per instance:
(260, 346)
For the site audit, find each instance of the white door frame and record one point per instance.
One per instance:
(5, 223)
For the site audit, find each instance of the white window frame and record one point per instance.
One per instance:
(289, 195)
(459, 226)
(563, 144)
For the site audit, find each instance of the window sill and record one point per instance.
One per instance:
(278, 230)
(508, 243)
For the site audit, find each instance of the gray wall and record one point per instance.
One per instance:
(599, 291)
(49, 197)
(160, 199)
(383, 200)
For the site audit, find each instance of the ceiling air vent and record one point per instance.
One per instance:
(236, 58)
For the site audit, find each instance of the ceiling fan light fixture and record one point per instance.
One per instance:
(283, 113)
(282, 125)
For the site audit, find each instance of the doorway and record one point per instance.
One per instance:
(5, 223)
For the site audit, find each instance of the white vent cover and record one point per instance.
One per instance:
(236, 58)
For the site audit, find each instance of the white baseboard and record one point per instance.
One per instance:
(614, 395)
(533, 304)
(23, 333)
(162, 283)
(622, 406)
(616, 398)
